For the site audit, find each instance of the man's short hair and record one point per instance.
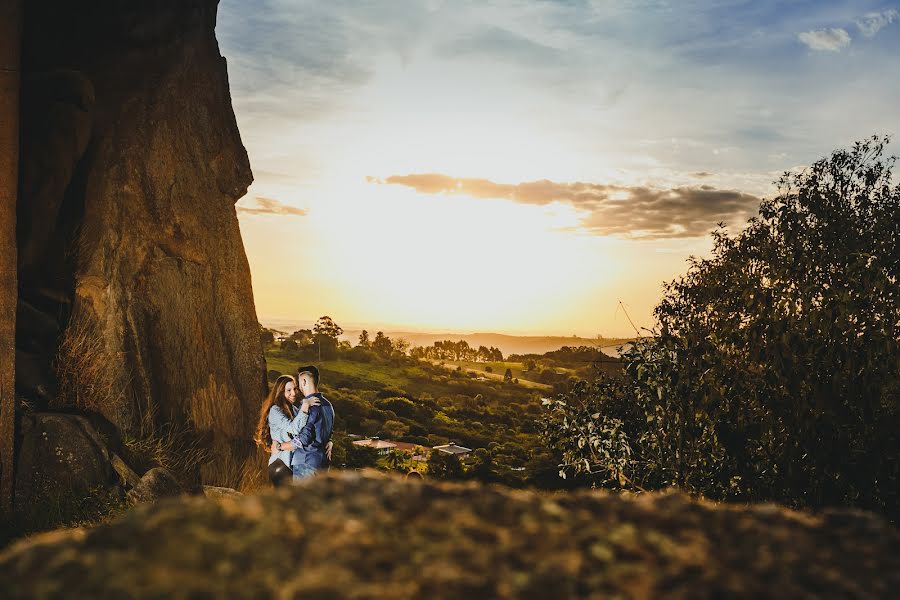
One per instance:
(312, 371)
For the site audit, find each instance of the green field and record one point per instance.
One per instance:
(415, 379)
(499, 369)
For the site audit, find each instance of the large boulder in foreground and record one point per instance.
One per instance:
(364, 536)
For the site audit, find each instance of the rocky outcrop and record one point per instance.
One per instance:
(128, 236)
(213, 491)
(157, 483)
(63, 469)
(362, 536)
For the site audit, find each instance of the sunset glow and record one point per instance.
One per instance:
(590, 147)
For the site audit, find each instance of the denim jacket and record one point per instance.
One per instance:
(280, 426)
(313, 437)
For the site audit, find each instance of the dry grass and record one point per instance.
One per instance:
(82, 368)
(177, 449)
(206, 448)
(255, 472)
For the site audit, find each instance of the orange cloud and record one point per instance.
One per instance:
(628, 211)
(270, 206)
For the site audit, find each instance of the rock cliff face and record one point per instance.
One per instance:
(128, 238)
(353, 536)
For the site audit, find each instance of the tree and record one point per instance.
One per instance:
(382, 344)
(400, 346)
(302, 337)
(327, 327)
(395, 461)
(444, 466)
(393, 429)
(356, 457)
(364, 339)
(774, 371)
(325, 337)
(483, 468)
(266, 337)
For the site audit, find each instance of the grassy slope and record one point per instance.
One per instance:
(499, 369)
(365, 376)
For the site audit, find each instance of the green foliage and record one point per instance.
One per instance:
(588, 426)
(483, 467)
(395, 461)
(444, 466)
(393, 429)
(382, 344)
(399, 406)
(361, 354)
(775, 370)
(326, 326)
(266, 337)
(348, 455)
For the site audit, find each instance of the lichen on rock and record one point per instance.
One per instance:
(354, 535)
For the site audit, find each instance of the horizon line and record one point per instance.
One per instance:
(412, 329)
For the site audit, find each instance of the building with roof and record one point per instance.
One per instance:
(382, 446)
(454, 449)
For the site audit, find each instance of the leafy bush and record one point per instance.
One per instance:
(774, 371)
(444, 466)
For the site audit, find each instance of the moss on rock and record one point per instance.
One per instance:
(365, 536)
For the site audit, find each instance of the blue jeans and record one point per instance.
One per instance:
(303, 471)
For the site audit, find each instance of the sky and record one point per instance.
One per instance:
(529, 167)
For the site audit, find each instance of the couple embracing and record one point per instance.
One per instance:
(295, 425)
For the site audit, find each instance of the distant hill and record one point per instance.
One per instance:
(508, 344)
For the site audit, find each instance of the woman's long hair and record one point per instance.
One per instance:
(275, 398)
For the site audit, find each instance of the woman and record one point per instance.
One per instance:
(279, 420)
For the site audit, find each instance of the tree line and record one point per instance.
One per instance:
(322, 343)
(458, 350)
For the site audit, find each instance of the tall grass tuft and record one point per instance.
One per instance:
(83, 372)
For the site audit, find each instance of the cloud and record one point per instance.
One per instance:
(638, 212)
(495, 42)
(270, 206)
(832, 40)
(874, 22)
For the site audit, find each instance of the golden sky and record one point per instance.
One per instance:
(521, 167)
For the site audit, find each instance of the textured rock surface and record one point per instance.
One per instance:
(10, 21)
(362, 536)
(212, 491)
(61, 462)
(158, 279)
(157, 483)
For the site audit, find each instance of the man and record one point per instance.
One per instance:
(311, 447)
